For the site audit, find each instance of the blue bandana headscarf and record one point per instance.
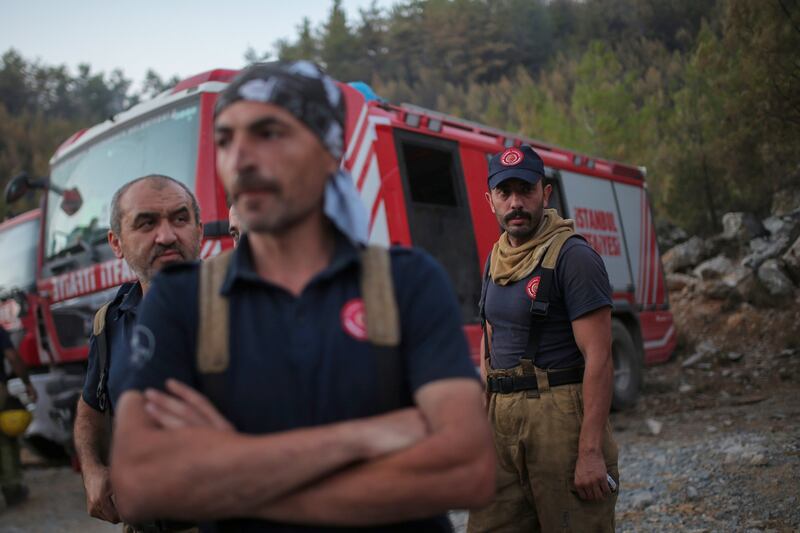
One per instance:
(314, 98)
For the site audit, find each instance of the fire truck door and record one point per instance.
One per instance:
(439, 218)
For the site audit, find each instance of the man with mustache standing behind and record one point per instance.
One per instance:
(155, 221)
(546, 310)
(235, 228)
(299, 435)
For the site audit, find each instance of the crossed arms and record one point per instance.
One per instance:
(176, 457)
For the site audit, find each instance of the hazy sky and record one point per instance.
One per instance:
(181, 37)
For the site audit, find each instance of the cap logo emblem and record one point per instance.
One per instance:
(511, 157)
(352, 317)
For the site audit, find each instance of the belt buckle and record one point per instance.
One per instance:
(506, 384)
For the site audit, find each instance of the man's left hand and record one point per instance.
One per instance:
(183, 408)
(590, 476)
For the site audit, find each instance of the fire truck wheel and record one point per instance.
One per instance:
(627, 367)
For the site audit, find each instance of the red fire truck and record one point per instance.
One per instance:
(421, 175)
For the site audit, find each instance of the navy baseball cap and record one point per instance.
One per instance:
(521, 163)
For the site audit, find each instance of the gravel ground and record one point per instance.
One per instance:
(700, 452)
(56, 505)
(723, 469)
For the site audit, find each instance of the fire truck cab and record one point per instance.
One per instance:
(421, 175)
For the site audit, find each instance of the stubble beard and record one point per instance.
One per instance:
(146, 269)
(280, 223)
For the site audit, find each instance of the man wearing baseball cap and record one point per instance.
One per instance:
(260, 402)
(546, 314)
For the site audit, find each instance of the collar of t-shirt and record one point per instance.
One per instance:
(241, 267)
(130, 301)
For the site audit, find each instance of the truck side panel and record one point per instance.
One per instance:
(592, 205)
(658, 330)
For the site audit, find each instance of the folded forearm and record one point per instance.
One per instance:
(205, 473)
(439, 473)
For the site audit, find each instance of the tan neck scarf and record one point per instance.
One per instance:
(513, 263)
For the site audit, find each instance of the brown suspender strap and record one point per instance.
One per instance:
(377, 291)
(383, 327)
(551, 256)
(100, 320)
(213, 339)
(212, 331)
(101, 341)
(540, 307)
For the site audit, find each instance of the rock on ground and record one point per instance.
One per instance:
(792, 259)
(741, 227)
(773, 278)
(684, 255)
(714, 268)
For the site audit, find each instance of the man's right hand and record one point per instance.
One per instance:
(99, 495)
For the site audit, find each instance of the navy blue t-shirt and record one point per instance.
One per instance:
(120, 321)
(580, 285)
(300, 361)
(5, 343)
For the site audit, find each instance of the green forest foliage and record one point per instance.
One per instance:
(41, 106)
(704, 93)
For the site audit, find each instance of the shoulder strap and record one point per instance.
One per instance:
(540, 306)
(484, 288)
(377, 291)
(213, 339)
(101, 341)
(482, 305)
(551, 257)
(382, 320)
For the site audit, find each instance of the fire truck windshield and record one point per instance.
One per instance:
(18, 256)
(165, 143)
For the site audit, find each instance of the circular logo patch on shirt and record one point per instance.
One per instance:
(533, 287)
(143, 344)
(511, 157)
(352, 316)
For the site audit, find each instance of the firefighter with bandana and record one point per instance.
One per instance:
(305, 381)
(546, 358)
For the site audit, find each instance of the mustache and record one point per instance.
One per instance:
(517, 213)
(252, 181)
(161, 249)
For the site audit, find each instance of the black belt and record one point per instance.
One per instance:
(509, 384)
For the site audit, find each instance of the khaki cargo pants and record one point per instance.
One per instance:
(536, 440)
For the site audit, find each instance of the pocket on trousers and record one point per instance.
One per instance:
(564, 400)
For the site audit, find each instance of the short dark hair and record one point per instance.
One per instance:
(116, 213)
